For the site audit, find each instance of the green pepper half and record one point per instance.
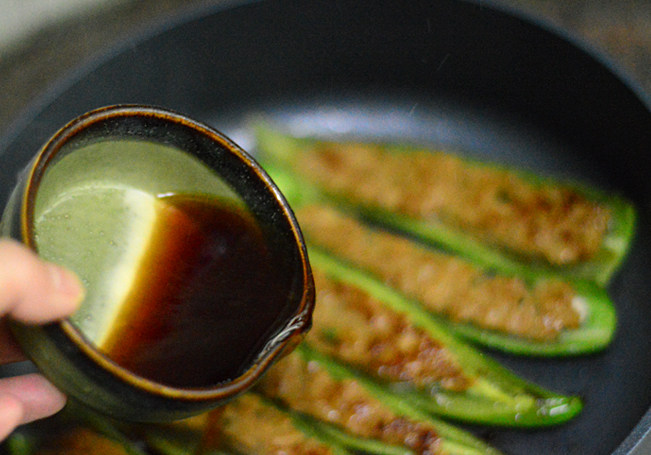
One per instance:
(496, 396)
(183, 438)
(594, 334)
(280, 149)
(179, 439)
(387, 412)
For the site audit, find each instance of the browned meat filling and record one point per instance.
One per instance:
(352, 326)
(249, 426)
(538, 221)
(306, 387)
(445, 284)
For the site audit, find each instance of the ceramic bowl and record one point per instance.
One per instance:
(151, 152)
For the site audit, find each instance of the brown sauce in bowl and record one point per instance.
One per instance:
(206, 295)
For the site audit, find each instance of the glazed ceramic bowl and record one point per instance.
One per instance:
(142, 154)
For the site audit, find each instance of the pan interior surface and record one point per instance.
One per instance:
(499, 136)
(461, 75)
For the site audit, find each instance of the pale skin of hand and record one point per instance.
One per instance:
(35, 292)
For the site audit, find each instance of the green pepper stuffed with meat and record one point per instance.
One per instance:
(360, 414)
(515, 221)
(542, 316)
(378, 338)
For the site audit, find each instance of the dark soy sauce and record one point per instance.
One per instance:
(206, 296)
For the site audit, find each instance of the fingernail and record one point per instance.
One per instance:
(66, 283)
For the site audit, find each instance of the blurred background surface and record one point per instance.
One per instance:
(42, 40)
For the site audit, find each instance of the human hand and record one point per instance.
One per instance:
(35, 292)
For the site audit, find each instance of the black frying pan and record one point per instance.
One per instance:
(462, 74)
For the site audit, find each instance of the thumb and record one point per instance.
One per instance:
(32, 290)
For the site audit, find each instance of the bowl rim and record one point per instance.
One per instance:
(284, 339)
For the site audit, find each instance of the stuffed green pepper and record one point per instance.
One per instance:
(547, 316)
(376, 334)
(368, 418)
(516, 221)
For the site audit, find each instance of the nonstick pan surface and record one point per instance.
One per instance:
(464, 75)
